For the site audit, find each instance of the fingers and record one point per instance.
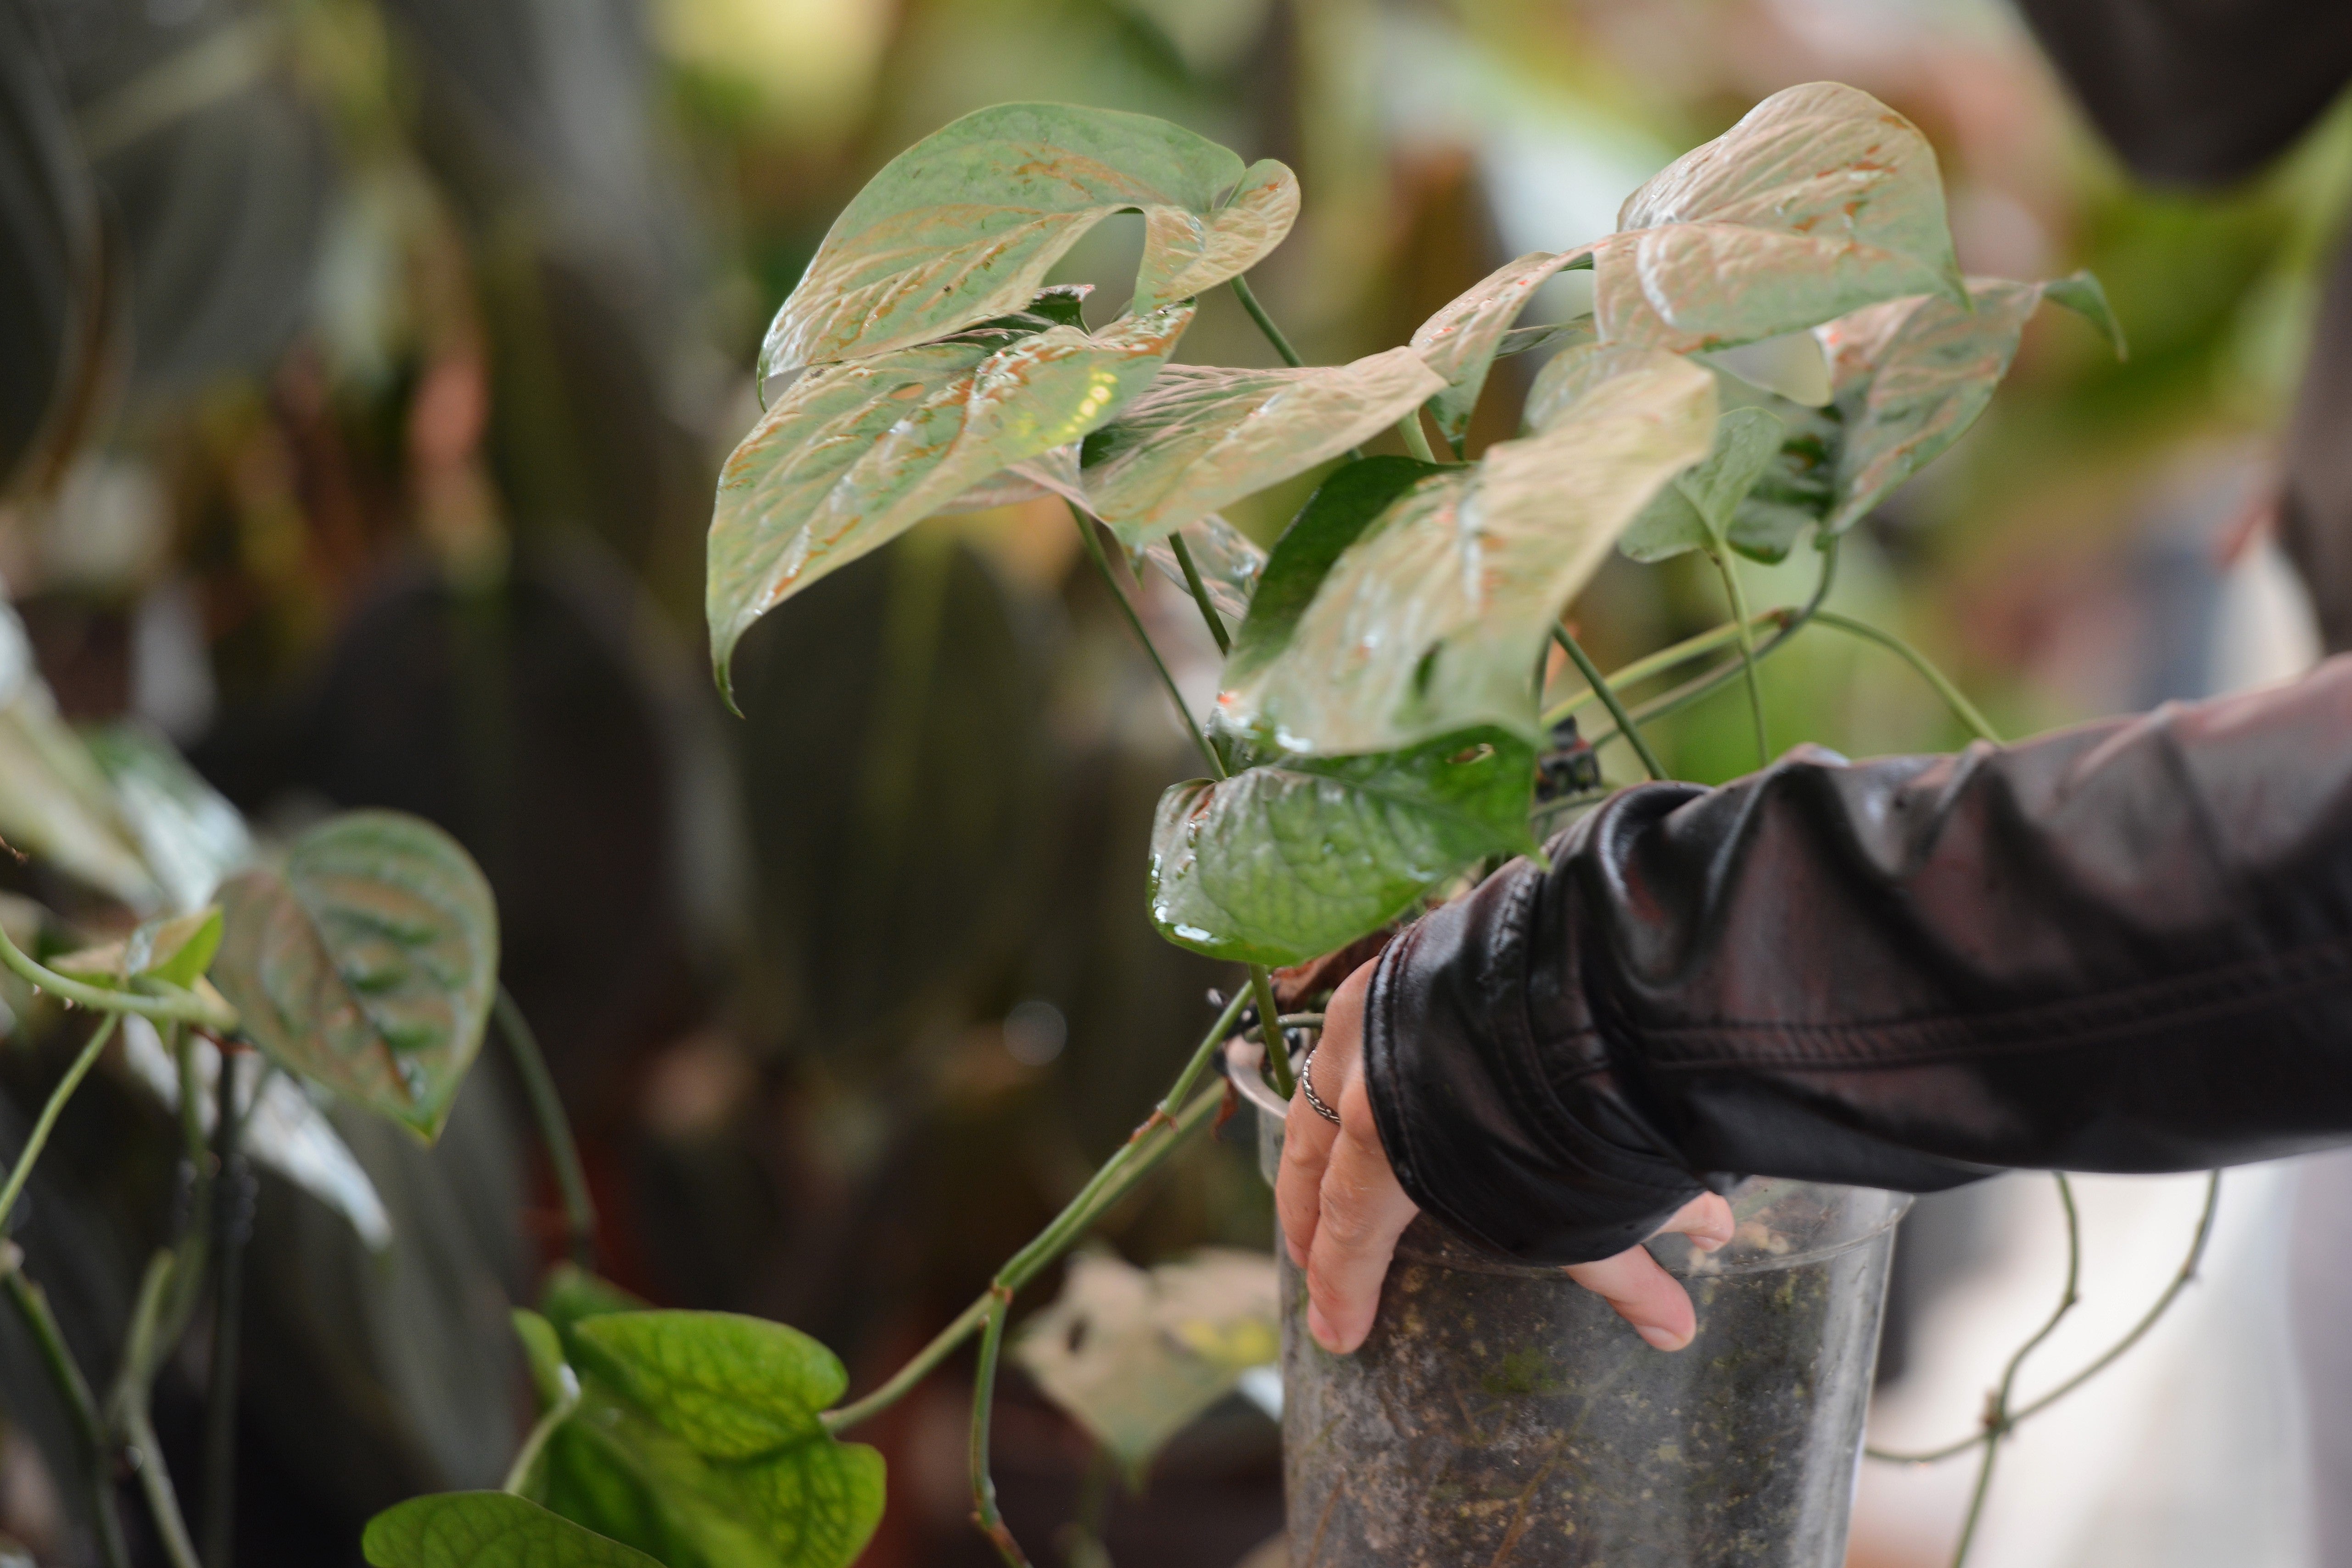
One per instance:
(1644, 1294)
(1364, 1210)
(1306, 1137)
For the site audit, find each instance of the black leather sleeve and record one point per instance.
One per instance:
(2122, 947)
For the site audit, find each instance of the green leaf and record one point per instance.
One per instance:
(697, 1439)
(1201, 438)
(1341, 507)
(1430, 622)
(1134, 1357)
(964, 226)
(1461, 341)
(1301, 856)
(1694, 511)
(54, 803)
(855, 454)
(176, 949)
(487, 1530)
(1820, 201)
(186, 830)
(551, 1373)
(572, 1295)
(2082, 293)
(368, 964)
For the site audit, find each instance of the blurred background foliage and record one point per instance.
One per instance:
(388, 350)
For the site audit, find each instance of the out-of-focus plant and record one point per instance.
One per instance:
(1385, 729)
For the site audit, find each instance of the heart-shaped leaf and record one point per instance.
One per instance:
(1462, 340)
(855, 454)
(1695, 510)
(1819, 202)
(1430, 623)
(1201, 438)
(1296, 857)
(697, 1439)
(487, 1530)
(368, 964)
(964, 224)
(176, 950)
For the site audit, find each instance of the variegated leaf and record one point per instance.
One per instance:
(964, 226)
(1696, 509)
(1460, 341)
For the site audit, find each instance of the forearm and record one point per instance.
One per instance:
(2122, 947)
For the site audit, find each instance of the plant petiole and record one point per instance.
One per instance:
(554, 1128)
(1200, 592)
(50, 1111)
(1729, 572)
(1135, 624)
(173, 1005)
(1609, 699)
(1964, 709)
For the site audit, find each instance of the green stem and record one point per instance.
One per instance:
(1121, 1174)
(983, 1406)
(1202, 1055)
(1653, 664)
(554, 1128)
(32, 1304)
(155, 1482)
(1200, 592)
(232, 1213)
(1959, 704)
(51, 1112)
(1608, 698)
(1265, 323)
(554, 1416)
(1729, 572)
(183, 1048)
(1277, 1048)
(144, 1347)
(176, 1005)
(1416, 439)
(1135, 624)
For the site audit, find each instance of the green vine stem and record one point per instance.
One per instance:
(1651, 666)
(232, 1218)
(165, 1004)
(1277, 1048)
(554, 1128)
(1959, 704)
(1164, 1114)
(47, 1123)
(983, 1406)
(144, 1349)
(1609, 699)
(1200, 592)
(1729, 572)
(1135, 624)
(519, 1473)
(1265, 323)
(98, 1452)
(1416, 439)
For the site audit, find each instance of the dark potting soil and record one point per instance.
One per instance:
(1510, 1417)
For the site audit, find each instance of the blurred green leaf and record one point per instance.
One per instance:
(1341, 507)
(1294, 858)
(856, 454)
(1462, 340)
(487, 1530)
(1134, 1357)
(176, 949)
(53, 800)
(189, 835)
(542, 1347)
(1430, 623)
(1201, 438)
(368, 965)
(1695, 510)
(1819, 202)
(964, 224)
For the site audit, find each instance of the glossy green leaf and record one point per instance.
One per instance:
(1462, 340)
(367, 964)
(1819, 202)
(855, 454)
(1341, 507)
(1303, 855)
(1201, 438)
(697, 1439)
(1136, 1356)
(1695, 510)
(487, 1530)
(1430, 622)
(964, 226)
(176, 949)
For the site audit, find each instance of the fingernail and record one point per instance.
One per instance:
(1322, 1330)
(1661, 1339)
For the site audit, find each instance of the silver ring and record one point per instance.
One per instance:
(1306, 1087)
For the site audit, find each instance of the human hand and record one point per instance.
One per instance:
(1342, 1210)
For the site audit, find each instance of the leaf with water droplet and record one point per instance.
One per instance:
(963, 226)
(367, 964)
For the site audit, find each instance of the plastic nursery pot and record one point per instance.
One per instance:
(1500, 1414)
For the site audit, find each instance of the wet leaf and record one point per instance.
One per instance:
(855, 454)
(487, 1530)
(1695, 510)
(696, 1438)
(1430, 622)
(1819, 202)
(1134, 1357)
(1461, 341)
(964, 226)
(1229, 562)
(176, 949)
(368, 964)
(1341, 507)
(1202, 438)
(1296, 857)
